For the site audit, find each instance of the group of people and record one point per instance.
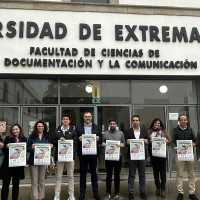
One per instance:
(67, 132)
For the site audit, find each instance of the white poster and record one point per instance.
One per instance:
(159, 147)
(112, 151)
(17, 154)
(137, 151)
(185, 150)
(42, 154)
(65, 150)
(89, 145)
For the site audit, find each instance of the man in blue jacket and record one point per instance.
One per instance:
(88, 127)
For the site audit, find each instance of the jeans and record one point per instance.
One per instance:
(133, 165)
(159, 171)
(84, 162)
(110, 165)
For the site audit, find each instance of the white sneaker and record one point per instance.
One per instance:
(71, 198)
(56, 198)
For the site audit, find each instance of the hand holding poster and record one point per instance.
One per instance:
(159, 147)
(112, 151)
(17, 154)
(137, 151)
(42, 154)
(65, 150)
(89, 145)
(185, 150)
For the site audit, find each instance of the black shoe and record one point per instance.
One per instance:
(82, 196)
(180, 196)
(130, 196)
(143, 196)
(96, 196)
(157, 193)
(193, 197)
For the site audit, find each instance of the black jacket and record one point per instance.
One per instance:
(95, 130)
(5, 170)
(69, 135)
(129, 134)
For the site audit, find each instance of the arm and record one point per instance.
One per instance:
(122, 140)
(174, 145)
(29, 144)
(5, 148)
(198, 146)
(75, 139)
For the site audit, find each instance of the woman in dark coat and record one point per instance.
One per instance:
(16, 173)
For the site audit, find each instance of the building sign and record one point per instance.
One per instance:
(60, 42)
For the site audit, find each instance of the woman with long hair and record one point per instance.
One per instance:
(37, 172)
(159, 164)
(16, 135)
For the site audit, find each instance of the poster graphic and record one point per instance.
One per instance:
(89, 145)
(42, 154)
(137, 151)
(65, 150)
(185, 150)
(112, 150)
(2, 126)
(159, 147)
(17, 154)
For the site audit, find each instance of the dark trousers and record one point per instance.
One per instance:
(133, 165)
(110, 165)
(159, 171)
(15, 188)
(84, 162)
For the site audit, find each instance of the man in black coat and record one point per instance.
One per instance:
(136, 133)
(88, 127)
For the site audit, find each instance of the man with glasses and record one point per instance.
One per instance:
(183, 132)
(113, 134)
(88, 127)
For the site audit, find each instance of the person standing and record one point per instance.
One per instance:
(37, 172)
(16, 135)
(183, 132)
(113, 134)
(64, 132)
(136, 133)
(158, 163)
(88, 127)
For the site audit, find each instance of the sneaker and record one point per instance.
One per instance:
(118, 196)
(108, 196)
(193, 197)
(56, 198)
(71, 198)
(143, 196)
(130, 196)
(180, 196)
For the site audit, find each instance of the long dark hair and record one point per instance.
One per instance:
(21, 133)
(155, 120)
(35, 130)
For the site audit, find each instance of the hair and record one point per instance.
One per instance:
(135, 116)
(155, 120)
(182, 115)
(112, 120)
(21, 133)
(67, 115)
(87, 112)
(35, 130)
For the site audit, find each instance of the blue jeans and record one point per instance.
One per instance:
(133, 165)
(110, 165)
(84, 162)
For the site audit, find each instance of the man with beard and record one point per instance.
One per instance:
(136, 133)
(88, 127)
(113, 134)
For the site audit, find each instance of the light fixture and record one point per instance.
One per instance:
(88, 88)
(163, 89)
